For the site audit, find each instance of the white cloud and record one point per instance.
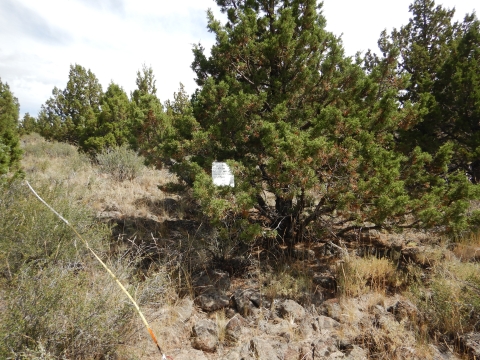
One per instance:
(39, 40)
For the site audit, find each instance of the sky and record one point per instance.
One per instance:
(39, 40)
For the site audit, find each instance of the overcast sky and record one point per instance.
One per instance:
(39, 40)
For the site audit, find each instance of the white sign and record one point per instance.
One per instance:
(222, 175)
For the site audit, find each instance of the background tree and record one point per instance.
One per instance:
(457, 99)
(434, 52)
(10, 151)
(28, 124)
(113, 122)
(147, 114)
(295, 118)
(70, 115)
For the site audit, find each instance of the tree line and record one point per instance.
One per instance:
(377, 141)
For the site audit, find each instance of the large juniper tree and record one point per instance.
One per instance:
(308, 133)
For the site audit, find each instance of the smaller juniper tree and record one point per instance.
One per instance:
(10, 151)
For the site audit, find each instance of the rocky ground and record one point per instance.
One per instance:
(229, 322)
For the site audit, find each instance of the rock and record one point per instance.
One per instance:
(247, 299)
(262, 349)
(189, 354)
(403, 309)
(290, 309)
(212, 300)
(442, 353)
(321, 348)
(211, 279)
(471, 343)
(325, 281)
(205, 335)
(232, 355)
(184, 309)
(331, 308)
(235, 328)
(420, 255)
(291, 353)
(303, 254)
(324, 322)
(355, 353)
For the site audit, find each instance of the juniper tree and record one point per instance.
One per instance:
(113, 122)
(10, 151)
(441, 58)
(308, 132)
(70, 115)
(146, 109)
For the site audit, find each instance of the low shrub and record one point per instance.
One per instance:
(55, 301)
(30, 233)
(121, 163)
(67, 311)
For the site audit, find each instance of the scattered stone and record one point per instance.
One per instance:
(331, 308)
(442, 353)
(303, 254)
(189, 354)
(325, 281)
(212, 300)
(290, 309)
(471, 343)
(403, 309)
(262, 349)
(235, 328)
(246, 300)
(205, 335)
(355, 353)
(324, 322)
(211, 279)
(184, 309)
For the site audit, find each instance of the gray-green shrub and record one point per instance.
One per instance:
(54, 298)
(121, 163)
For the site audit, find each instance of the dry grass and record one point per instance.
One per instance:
(357, 276)
(60, 163)
(286, 282)
(370, 326)
(468, 248)
(221, 320)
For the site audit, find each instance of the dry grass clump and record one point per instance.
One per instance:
(286, 282)
(450, 302)
(369, 325)
(468, 248)
(357, 276)
(221, 320)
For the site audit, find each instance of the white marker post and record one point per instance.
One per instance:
(222, 175)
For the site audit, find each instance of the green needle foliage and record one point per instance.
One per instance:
(442, 60)
(9, 140)
(311, 135)
(70, 115)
